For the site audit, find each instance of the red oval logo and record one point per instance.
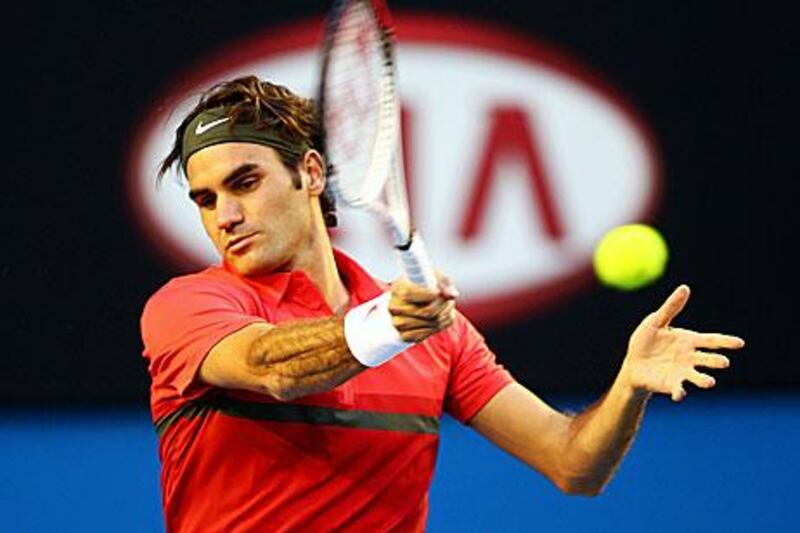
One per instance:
(518, 160)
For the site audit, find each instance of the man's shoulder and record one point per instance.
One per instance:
(210, 280)
(212, 275)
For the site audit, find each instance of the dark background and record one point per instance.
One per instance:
(715, 81)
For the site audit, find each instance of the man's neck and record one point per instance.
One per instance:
(319, 265)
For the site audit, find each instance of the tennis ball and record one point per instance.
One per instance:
(631, 256)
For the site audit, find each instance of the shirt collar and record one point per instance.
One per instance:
(274, 287)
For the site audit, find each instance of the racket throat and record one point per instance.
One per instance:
(405, 246)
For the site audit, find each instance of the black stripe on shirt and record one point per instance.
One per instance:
(304, 414)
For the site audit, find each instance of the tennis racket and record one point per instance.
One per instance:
(360, 113)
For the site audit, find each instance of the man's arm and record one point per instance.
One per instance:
(577, 453)
(580, 453)
(311, 356)
(285, 361)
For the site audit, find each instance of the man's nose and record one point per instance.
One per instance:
(229, 213)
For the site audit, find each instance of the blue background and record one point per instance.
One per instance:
(713, 463)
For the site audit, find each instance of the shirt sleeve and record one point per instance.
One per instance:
(475, 375)
(180, 324)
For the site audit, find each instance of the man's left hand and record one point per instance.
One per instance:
(661, 358)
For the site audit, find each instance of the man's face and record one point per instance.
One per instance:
(258, 220)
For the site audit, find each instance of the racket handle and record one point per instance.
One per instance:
(417, 263)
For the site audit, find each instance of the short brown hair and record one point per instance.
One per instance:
(250, 100)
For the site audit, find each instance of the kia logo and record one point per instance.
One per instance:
(518, 158)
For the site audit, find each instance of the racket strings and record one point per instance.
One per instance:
(361, 125)
(361, 115)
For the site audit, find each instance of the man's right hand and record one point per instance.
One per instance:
(418, 312)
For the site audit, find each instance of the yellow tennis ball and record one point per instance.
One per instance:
(631, 256)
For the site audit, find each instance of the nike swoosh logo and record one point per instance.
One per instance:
(202, 128)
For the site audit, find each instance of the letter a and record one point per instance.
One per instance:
(510, 136)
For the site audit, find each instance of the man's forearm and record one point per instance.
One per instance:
(309, 356)
(304, 357)
(600, 436)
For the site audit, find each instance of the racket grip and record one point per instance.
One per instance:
(417, 263)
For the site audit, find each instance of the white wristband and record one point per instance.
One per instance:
(370, 334)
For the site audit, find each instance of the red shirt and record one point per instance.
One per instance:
(359, 457)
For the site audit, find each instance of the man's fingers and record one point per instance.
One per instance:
(672, 306)
(414, 326)
(418, 334)
(711, 360)
(425, 312)
(419, 312)
(415, 335)
(447, 290)
(410, 292)
(716, 341)
(678, 393)
(419, 295)
(406, 291)
(441, 321)
(406, 323)
(704, 381)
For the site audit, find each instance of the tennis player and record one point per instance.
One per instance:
(292, 391)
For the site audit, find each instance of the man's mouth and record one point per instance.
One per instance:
(237, 244)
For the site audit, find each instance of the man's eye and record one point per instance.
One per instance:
(206, 201)
(247, 184)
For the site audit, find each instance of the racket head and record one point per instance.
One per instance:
(358, 100)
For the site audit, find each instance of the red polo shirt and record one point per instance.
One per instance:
(359, 457)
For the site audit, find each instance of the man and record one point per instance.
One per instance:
(292, 391)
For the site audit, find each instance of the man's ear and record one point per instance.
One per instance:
(313, 166)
